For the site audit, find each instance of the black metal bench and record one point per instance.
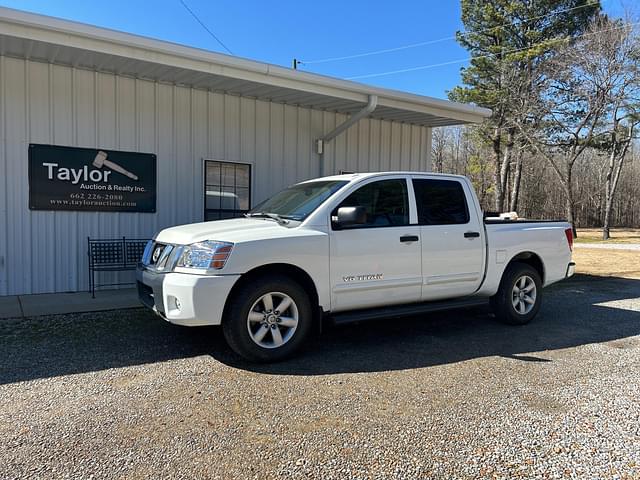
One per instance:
(112, 255)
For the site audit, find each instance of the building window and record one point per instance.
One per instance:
(227, 188)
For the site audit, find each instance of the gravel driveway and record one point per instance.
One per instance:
(453, 395)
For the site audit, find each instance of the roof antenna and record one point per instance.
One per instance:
(295, 63)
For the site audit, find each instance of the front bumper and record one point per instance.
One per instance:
(571, 269)
(184, 299)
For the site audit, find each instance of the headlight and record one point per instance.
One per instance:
(205, 256)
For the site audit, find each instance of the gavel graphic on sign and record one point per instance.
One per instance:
(101, 161)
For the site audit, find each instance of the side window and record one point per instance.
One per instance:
(440, 202)
(386, 203)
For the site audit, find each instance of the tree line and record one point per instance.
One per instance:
(541, 196)
(563, 82)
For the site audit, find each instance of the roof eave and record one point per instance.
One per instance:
(82, 37)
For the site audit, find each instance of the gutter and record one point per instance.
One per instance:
(352, 120)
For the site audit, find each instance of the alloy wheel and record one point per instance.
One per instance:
(272, 320)
(523, 295)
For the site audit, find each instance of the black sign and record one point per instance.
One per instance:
(87, 179)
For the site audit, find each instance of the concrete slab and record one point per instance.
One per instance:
(10, 307)
(78, 302)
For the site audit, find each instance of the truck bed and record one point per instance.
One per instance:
(488, 221)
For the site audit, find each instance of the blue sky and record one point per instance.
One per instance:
(277, 31)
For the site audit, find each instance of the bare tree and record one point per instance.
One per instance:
(571, 101)
(541, 195)
(624, 100)
(438, 146)
(517, 180)
(617, 155)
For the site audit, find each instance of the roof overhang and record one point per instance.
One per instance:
(52, 40)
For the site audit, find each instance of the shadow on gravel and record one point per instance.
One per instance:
(576, 312)
(76, 343)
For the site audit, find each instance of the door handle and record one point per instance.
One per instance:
(471, 234)
(409, 238)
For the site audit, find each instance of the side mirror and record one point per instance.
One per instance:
(349, 216)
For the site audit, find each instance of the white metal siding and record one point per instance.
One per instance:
(43, 251)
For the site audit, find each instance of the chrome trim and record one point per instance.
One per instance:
(146, 255)
(167, 260)
(164, 256)
(571, 270)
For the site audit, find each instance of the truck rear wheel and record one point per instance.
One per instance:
(519, 296)
(268, 319)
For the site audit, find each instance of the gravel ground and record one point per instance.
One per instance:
(455, 395)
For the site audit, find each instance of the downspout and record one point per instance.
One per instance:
(352, 120)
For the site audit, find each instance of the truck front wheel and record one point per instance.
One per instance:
(518, 298)
(267, 319)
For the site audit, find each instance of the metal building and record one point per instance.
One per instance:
(220, 128)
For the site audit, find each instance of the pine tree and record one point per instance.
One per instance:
(507, 41)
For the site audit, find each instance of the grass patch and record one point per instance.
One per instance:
(607, 263)
(618, 235)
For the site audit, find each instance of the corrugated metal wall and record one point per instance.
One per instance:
(42, 103)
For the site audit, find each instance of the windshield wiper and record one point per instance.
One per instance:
(273, 216)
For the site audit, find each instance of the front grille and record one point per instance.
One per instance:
(161, 257)
(156, 253)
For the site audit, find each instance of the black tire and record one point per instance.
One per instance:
(236, 326)
(502, 303)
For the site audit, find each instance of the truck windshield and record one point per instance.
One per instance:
(298, 201)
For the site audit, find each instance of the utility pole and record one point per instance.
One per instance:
(295, 63)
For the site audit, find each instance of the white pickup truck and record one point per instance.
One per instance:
(349, 247)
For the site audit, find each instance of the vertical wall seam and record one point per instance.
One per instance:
(295, 156)
(239, 127)
(96, 133)
(208, 135)
(309, 157)
(74, 139)
(136, 115)
(225, 152)
(283, 150)
(53, 259)
(156, 143)
(359, 147)
(116, 95)
(252, 172)
(402, 147)
(96, 117)
(174, 153)
(27, 136)
(116, 99)
(421, 149)
(3, 134)
(136, 141)
(370, 148)
(194, 166)
(428, 147)
(269, 162)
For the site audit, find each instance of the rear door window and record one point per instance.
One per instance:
(440, 202)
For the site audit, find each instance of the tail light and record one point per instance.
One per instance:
(569, 233)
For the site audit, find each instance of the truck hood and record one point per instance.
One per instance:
(233, 230)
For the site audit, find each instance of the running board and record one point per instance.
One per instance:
(405, 310)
